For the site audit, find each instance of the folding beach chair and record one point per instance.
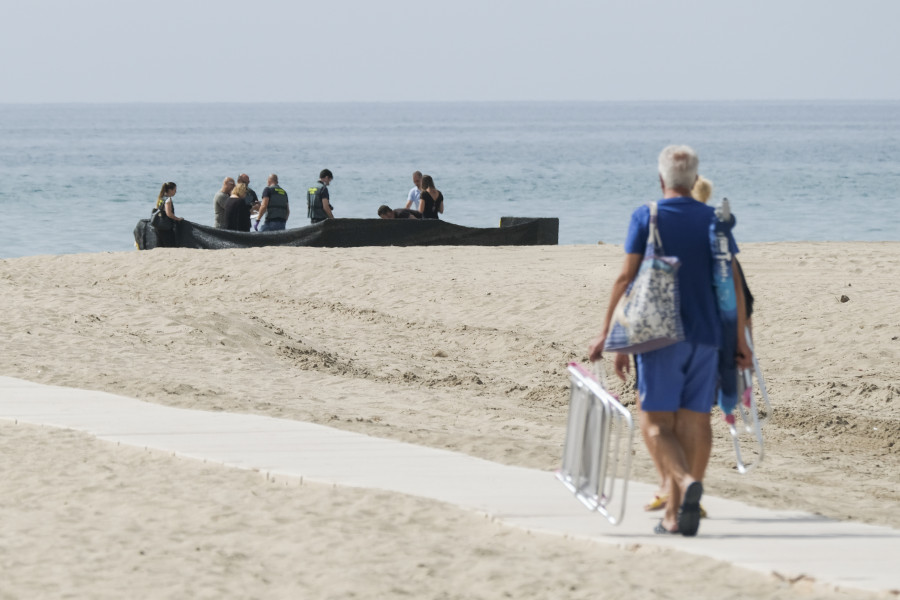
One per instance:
(749, 410)
(597, 453)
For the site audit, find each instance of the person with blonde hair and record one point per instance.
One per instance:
(702, 189)
(237, 212)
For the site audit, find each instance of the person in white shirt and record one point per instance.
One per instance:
(412, 200)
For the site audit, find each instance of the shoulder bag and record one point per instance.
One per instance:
(648, 315)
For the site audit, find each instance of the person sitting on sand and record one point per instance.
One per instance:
(431, 201)
(386, 212)
(237, 212)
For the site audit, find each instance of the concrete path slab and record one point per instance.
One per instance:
(791, 543)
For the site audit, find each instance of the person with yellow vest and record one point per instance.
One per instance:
(274, 206)
(318, 201)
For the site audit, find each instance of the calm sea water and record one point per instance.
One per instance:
(78, 177)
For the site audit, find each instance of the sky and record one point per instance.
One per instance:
(455, 50)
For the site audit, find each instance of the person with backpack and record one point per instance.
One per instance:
(318, 201)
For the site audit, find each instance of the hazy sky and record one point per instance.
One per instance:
(404, 50)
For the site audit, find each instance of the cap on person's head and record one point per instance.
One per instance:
(325, 173)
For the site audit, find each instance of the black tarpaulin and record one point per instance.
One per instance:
(349, 233)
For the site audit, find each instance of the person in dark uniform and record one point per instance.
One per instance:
(318, 200)
(273, 206)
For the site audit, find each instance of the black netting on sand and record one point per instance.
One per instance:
(347, 233)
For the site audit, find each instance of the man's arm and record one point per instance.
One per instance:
(626, 276)
(263, 206)
(326, 206)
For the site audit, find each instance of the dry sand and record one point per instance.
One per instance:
(458, 348)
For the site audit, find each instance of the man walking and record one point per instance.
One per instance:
(273, 206)
(677, 383)
(318, 201)
(219, 201)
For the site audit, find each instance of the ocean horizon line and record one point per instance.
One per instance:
(646, 102)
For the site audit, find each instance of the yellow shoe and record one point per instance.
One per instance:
(658, 503)
(702, 512)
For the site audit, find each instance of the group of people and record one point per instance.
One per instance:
(677, 384)
(423, 202)
(238, 208)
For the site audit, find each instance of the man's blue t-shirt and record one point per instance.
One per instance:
(684, 228)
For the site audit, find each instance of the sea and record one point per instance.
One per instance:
(77, 177)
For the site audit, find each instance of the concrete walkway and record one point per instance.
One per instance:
(790, 543)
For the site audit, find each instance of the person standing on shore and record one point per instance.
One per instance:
(677, 383)
(219, 201)
(318, 200)
(251, 198)
(165, 239)
(273, 206)
(431, 199)
(412, 200)
(237, 212)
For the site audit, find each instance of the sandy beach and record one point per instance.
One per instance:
(457, 348)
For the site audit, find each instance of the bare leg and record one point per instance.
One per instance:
(667, 453)
(663, 479)
(694, 433)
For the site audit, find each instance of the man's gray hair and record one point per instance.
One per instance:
(678, 167)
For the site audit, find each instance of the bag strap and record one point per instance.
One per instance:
(653, 236)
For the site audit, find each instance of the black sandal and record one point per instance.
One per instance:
(689, 513)
(661, 530)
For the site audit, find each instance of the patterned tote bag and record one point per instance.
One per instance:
(648, 315)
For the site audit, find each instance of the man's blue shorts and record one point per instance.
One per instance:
(682, 375)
